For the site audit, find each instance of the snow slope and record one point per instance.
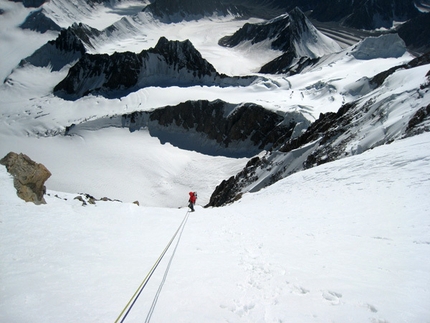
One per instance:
(342, 242)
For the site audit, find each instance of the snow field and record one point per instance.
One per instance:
(117, 164)
(342, 242)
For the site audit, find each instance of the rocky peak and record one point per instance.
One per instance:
(84, 33)
(182, 54)
(68, 41)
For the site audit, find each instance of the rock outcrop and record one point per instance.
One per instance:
(31, 3)
(29, 177)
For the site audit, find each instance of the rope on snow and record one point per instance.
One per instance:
(139, 290)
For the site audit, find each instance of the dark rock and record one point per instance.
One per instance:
(364, 14)
(419, 123)
(416, 33)
(175, 10)
(37, 21)
(29, 177)
(31, 3)
(246, 128)
(229, 190)
(285, 64)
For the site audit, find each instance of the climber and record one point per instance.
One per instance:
(192, 200)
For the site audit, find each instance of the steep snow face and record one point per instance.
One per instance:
(98, 14)
(385, 46)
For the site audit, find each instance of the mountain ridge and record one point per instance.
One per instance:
(168, 63)
(335, 135)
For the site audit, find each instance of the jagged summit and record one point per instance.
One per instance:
(183, 55)
(169, 63)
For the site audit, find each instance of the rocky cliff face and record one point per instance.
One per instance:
(214, 128)
(29, 177)
(169, 63)
(240, 130)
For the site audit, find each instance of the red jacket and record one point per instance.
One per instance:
(193, 198)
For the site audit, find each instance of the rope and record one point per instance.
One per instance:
(139, 290)
(154, 302)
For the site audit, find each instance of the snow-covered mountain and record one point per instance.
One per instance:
(373, 120)
(169, 63)
(293, 34)
(316, 151)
